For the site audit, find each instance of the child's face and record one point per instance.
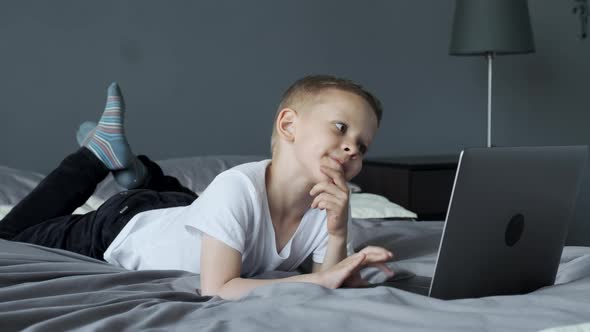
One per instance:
(335, 130)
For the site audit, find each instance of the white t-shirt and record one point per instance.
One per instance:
(233, 209)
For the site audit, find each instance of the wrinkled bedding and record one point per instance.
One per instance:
(43, 289)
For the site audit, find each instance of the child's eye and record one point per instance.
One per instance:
(341, 127)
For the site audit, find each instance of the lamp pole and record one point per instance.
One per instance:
(490, 56)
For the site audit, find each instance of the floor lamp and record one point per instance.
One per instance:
(490, 28)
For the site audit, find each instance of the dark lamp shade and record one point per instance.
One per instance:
(491, 26)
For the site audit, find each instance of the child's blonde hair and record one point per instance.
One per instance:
(311, 86)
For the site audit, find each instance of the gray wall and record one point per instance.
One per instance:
(204, 77)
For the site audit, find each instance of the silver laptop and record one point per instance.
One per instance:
(506, 223)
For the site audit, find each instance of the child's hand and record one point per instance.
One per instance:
(335, 276)
(333, 196)
(346, 273)
(376, 257)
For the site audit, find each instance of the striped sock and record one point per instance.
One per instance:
(131, 177)
(107, 140)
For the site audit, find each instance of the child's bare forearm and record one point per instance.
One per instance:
(335, 252)
(238, 287)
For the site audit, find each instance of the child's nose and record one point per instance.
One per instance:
(350, 149)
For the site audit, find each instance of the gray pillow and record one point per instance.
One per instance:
(16, 184)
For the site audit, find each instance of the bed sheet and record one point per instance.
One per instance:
(43, 289)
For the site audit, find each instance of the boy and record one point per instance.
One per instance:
(256, 217)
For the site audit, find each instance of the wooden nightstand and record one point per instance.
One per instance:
(420, 184)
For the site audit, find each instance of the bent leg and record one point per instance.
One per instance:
(106, 139)
(58, 194)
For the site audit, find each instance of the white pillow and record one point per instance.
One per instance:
(4, 209)
(366, 206)
(354, 188)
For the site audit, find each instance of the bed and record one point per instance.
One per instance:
(44, 289)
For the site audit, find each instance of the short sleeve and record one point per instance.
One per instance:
(223, 210)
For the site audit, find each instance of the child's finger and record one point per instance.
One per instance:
(336, 176)
(376, 250)
(333, 164)
(326, 202)
(329, 206)
(327, 188)
(377, 254)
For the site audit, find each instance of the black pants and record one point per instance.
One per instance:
(45, 216)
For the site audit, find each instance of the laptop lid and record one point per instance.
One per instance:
(507, 220)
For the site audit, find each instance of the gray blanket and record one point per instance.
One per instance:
(44, 289)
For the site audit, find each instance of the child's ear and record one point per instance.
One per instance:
(286, 123)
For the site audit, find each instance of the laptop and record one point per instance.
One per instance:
(506, 224)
